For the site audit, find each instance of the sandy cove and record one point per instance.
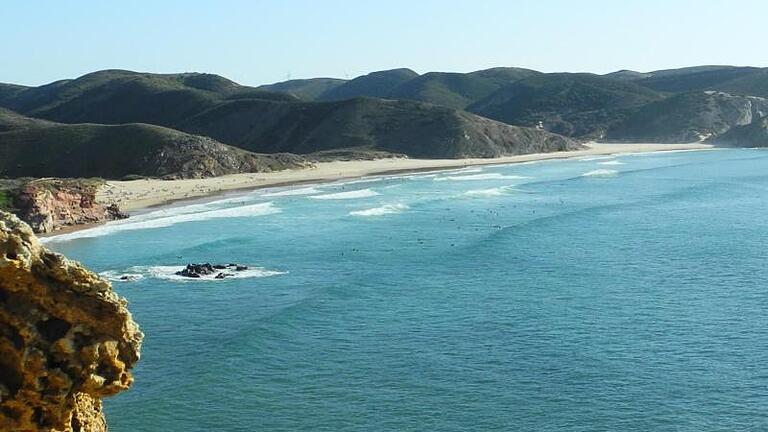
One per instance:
(138, 194)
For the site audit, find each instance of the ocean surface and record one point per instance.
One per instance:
(623, 293)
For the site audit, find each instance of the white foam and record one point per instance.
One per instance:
(492, 192)
(595, 158)
(145, 222)
(118, 276)
(363, 193)
(611, 162)
(601, 173)
(169, 273)
(381, 211)
(293, 192)
(476, 177)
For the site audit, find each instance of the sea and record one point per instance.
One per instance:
(616, 293)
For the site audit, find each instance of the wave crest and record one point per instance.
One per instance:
(293, 192)
(477, 177)
(611, 162)
(362, 193)
(492, 192)
(601, 173)
(146, 222)
(381, 211)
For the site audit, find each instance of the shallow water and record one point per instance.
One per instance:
(571, 295)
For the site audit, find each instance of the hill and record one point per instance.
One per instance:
(117, 96)
(377, 84)
(754, 84)
(403, 127)
(304, 89)
(36, 148)
(628, 75)
(754, 134)
(693, 78)
(458, 90)
(689, 117)
(259, 121)
(580, 105)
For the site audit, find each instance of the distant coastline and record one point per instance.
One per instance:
(136, 195)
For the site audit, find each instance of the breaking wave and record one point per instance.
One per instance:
(601, 173)
(487, 176)
(169, 273)
(363, 193)
(146, 221)
(596, 158)
(293, 192)
(492, 192)
(380, 211)
(611, 162)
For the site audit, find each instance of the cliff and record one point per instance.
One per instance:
(754, 134)
(66, 339)
(48, 205)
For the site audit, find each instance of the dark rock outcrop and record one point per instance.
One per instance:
(66, 339)
(196, 271)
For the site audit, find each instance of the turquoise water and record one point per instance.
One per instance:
(522, 297)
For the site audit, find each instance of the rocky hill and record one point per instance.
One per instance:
(754, 134)
(689, 117)
(66, 339)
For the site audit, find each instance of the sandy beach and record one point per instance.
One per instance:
(138, 194)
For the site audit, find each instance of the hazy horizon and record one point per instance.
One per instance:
(263, 42)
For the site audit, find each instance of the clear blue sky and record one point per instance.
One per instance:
(255, 42)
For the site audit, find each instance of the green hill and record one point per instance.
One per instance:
(689, 117)
(582, 105)
(754, 84)
(304, 89)
(260, 121)
(368, 124)
(377, 84)
(694, 78)
(458, 90)
(628, 75)
(36, 148)
(116, 96)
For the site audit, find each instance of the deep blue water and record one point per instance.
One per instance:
(522, 297)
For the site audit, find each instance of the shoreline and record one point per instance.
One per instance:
(138, 196)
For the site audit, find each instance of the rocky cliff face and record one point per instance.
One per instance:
(754, 134)
(66, 339)
(690, 117)
(48, 205)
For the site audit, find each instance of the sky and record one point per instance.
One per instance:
(263, 41)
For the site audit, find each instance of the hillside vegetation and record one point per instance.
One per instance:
(34, 148)
(570, 104)
(250, 119)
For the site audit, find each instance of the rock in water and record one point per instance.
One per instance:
(66, 339)
(197, 270)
